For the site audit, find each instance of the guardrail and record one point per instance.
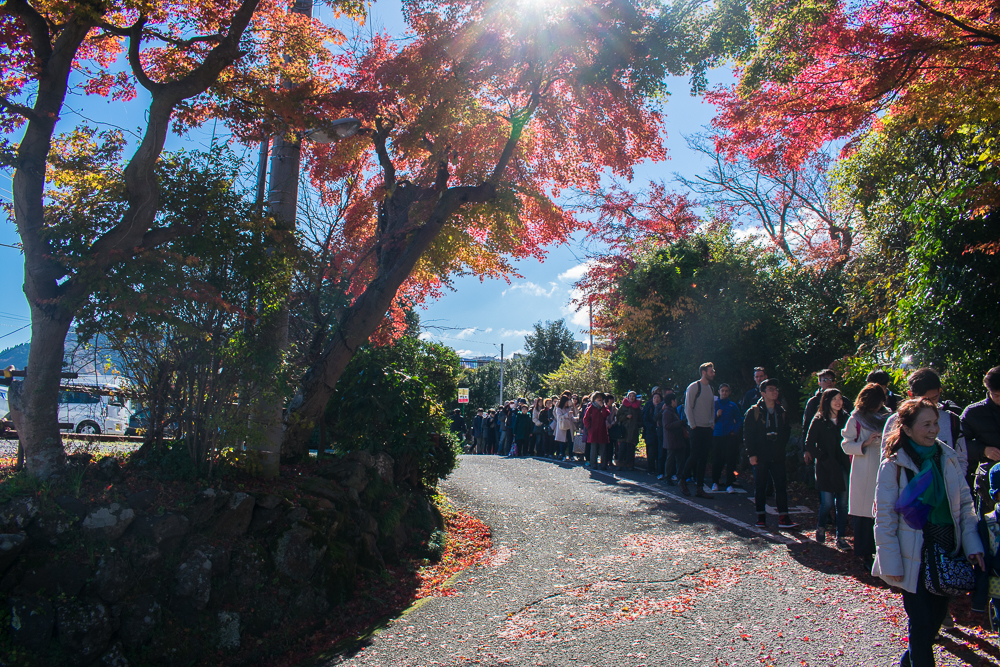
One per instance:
(12, 435)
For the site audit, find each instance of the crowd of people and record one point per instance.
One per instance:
(917, 477)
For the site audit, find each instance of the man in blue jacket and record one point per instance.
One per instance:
(725, 439)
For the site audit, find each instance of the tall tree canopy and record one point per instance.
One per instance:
(473, 130)
(195, 60)
(546, 347)
(812, 72)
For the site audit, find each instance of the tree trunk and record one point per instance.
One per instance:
(40, 437)
(368, 311)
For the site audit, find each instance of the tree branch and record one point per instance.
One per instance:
(516, 127)
(186, 43)
(19, 109)
(158, 235)
(134, 59)
(957, 23)
(38, 28)
(382, 130)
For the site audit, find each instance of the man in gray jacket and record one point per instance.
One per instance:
(699, 407)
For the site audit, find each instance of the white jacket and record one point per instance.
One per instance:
(897, 546)
(864, 467)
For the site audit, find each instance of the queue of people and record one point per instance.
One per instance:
(917, 477)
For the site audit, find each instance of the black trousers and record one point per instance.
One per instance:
(925, 614)
(776, 471)
(701, 446)
(864, 537)
(652, 452)
(725, 454)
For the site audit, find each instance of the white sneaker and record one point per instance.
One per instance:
(715, 488)
(730, 489)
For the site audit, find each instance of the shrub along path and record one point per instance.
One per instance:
(586, 570)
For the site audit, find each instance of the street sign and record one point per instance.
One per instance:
(463, 394)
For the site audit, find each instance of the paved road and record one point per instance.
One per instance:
(590, 569)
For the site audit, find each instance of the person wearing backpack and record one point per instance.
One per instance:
(766, 430)
(926, 383)
(672, 427)
(980, 425)
(926, 530)
(699, 406)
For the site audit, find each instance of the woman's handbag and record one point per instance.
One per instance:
(579, 446)
(947, 575)
(616, 432)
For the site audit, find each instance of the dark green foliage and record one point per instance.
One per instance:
(391, 399)
(484, 383)
(712, 298)
(436, 544)
(924, 286)
(948, 316)
(545, 349)
(182, 317)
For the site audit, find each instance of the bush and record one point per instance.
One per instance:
(390, 399)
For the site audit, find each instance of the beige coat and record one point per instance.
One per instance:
(864, 468)
(897, 546)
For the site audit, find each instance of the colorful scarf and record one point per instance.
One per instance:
(925, 498)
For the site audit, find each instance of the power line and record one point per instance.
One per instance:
(15, 331)
(7, 245)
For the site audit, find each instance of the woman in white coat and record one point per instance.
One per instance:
(911, 450)
(565, 425)
(862, 439)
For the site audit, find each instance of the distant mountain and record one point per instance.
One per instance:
(16, 356)
(94, 357)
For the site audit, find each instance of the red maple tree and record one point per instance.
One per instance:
(474, 131)
(833, 75)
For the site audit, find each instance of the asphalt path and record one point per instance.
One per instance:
(591, 568)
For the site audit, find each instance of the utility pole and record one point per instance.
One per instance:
(282, 203)
(501, 373)
(590, 301)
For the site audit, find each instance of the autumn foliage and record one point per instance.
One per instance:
(815, 76)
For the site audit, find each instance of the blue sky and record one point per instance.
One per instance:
(474, 318)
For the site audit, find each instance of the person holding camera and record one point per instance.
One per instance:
(766, 431)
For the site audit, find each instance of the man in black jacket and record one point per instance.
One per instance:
(751, 397)
(981, 428)
(826, 379)
(765, 433)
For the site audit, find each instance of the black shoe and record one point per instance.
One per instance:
(785, 523)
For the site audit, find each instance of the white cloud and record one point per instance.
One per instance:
(578, 318)
(465, 333)
(510, 333)
(575, 273)
(532, 289)
(468, 353)
(427, 335)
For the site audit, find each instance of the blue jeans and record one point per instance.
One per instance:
(827, 500)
